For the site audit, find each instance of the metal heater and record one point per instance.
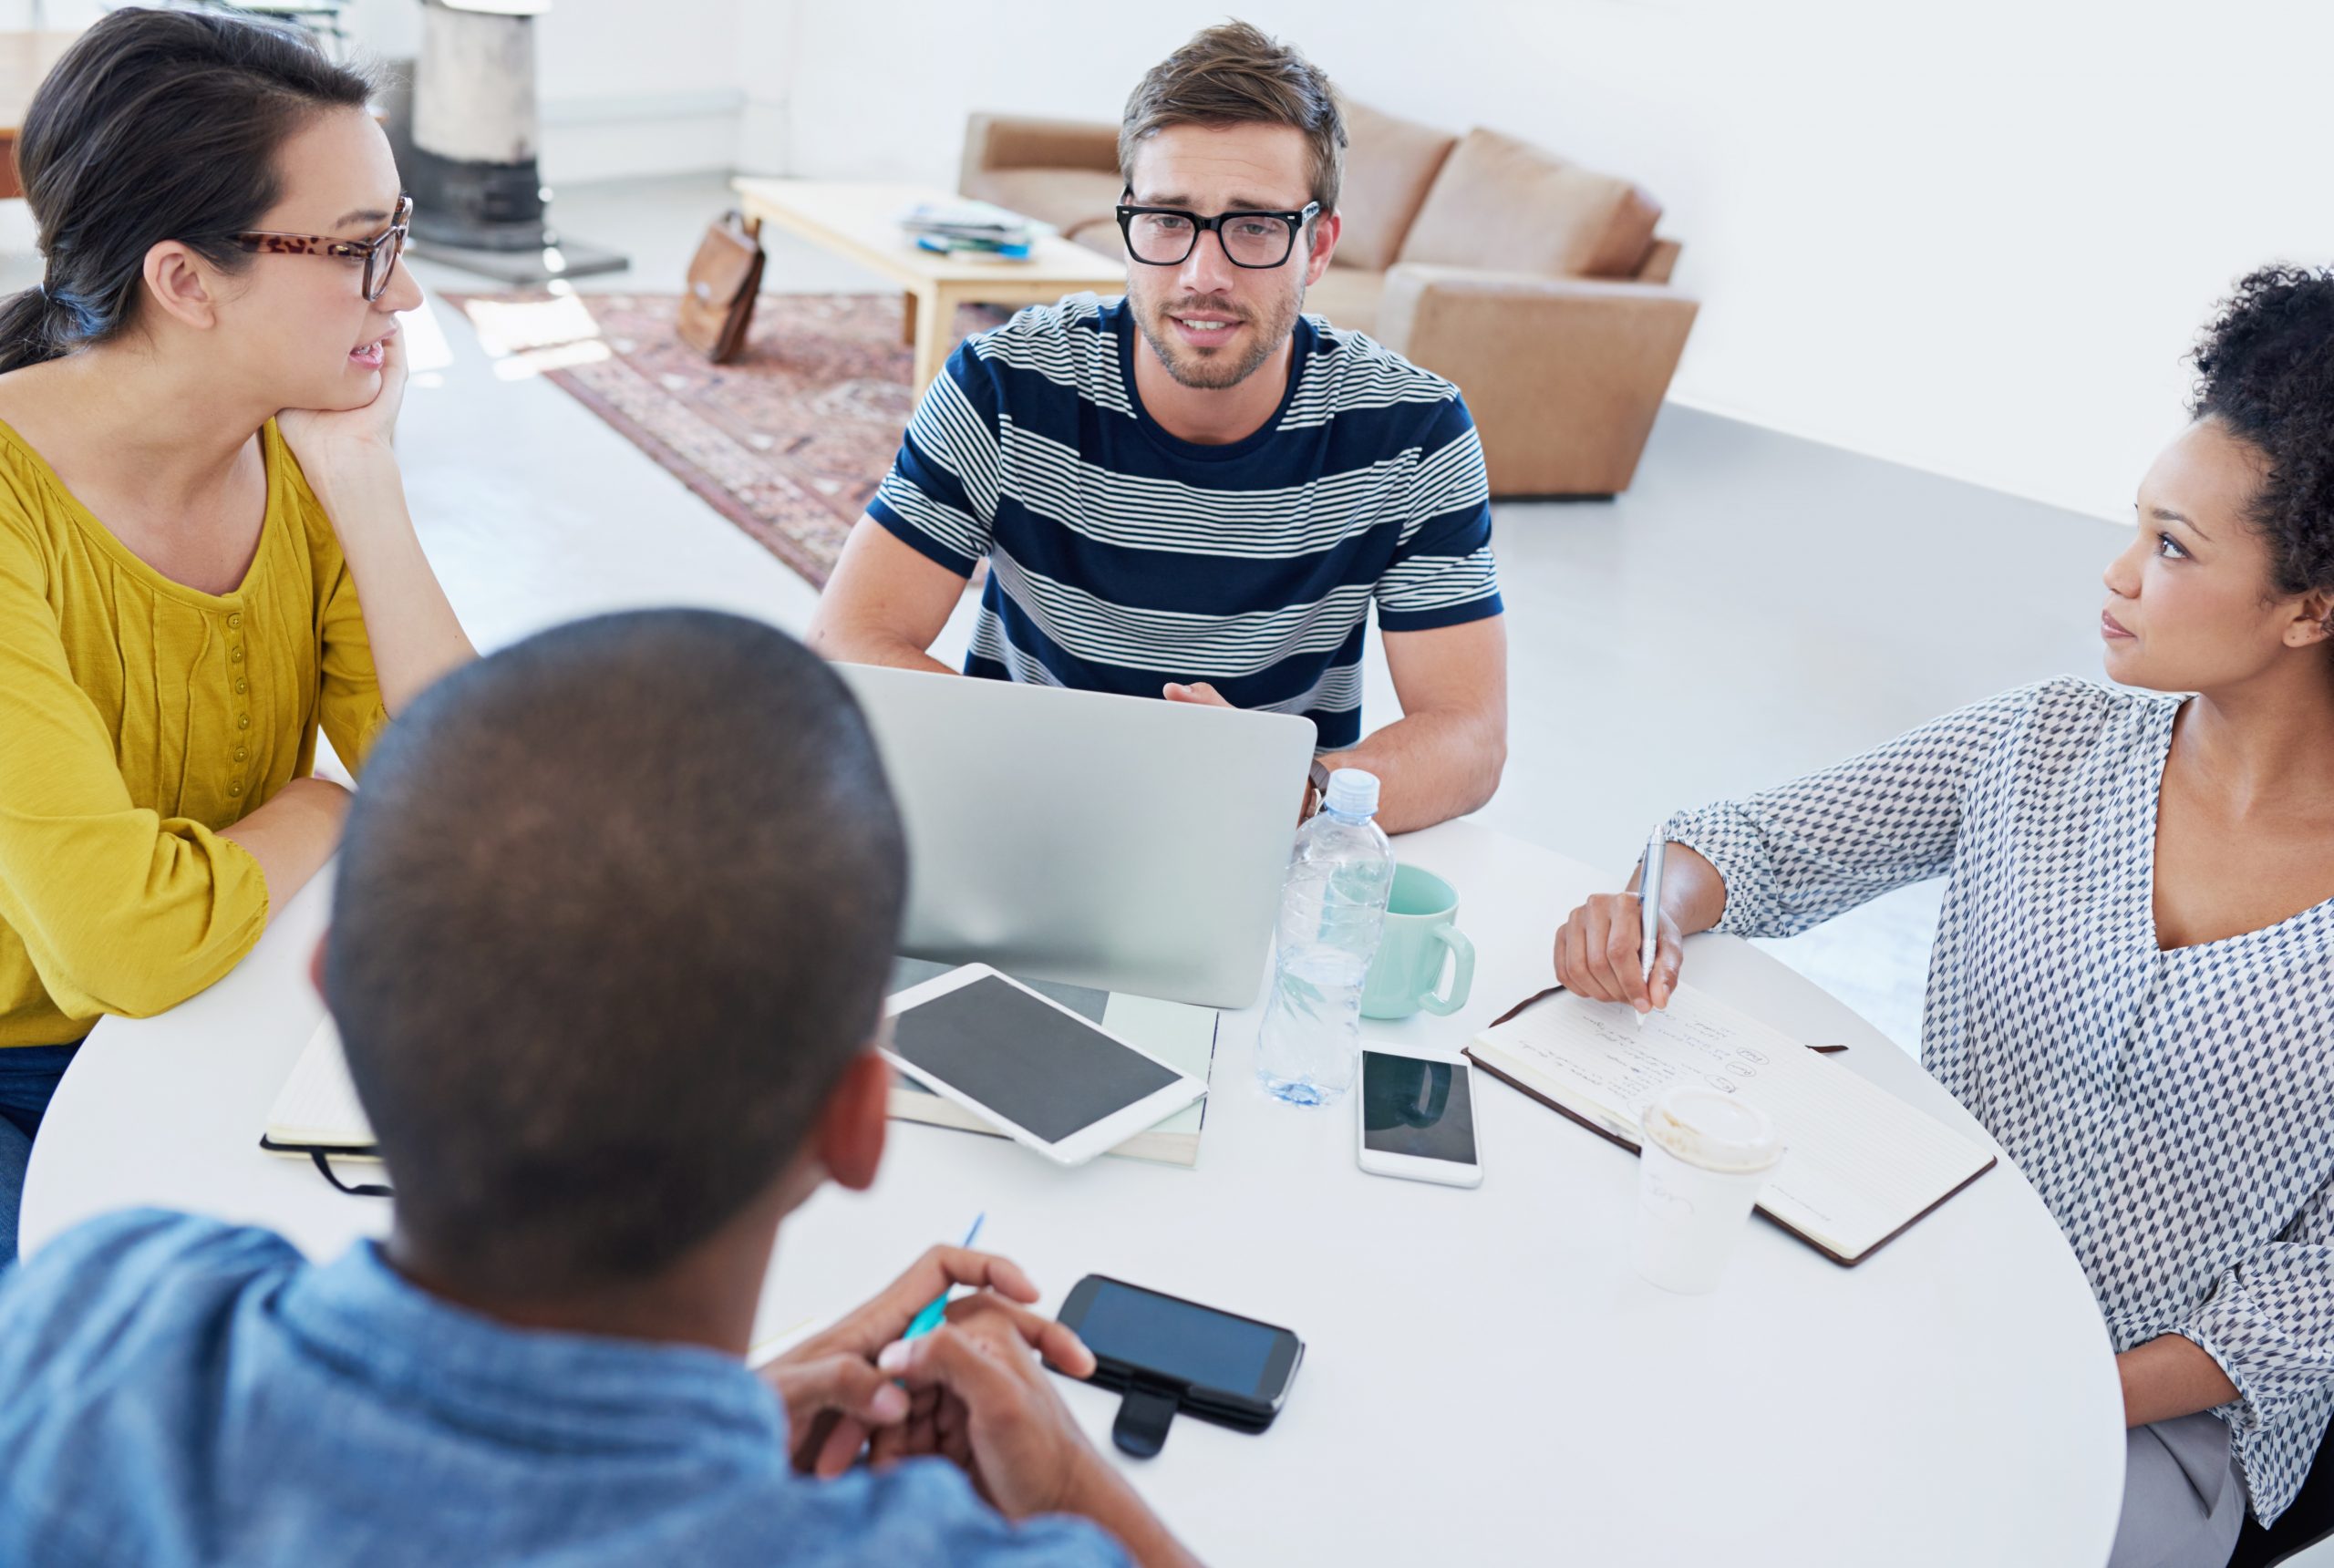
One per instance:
(479, 200)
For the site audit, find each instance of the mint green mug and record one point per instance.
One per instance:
(1419, 934)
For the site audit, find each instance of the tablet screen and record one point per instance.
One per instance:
(1033, 1064)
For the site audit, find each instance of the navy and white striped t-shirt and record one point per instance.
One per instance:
(1121, 558)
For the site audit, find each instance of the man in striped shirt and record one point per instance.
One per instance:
(1196, 491)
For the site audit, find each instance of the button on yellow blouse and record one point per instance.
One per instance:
(139, 718)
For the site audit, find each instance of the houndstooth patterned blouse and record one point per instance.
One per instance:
(2175, 1109)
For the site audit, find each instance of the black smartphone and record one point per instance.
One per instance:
(1225, 1368)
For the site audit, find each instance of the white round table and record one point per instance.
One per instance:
(1485, 1381)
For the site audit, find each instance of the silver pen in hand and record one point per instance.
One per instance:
(1649, 912)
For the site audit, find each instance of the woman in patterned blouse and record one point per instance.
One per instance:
(2130, 985)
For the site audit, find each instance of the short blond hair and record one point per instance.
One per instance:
(1239, 74)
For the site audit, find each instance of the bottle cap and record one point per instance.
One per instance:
(1353, 792)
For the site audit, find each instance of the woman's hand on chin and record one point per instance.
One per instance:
(340, 446)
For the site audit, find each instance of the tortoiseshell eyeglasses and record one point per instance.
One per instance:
(379, 255)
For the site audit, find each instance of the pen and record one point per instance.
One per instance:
(1649, 909)
(927, 1320)
(763, 1352)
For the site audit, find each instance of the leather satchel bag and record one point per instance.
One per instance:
(725, 278)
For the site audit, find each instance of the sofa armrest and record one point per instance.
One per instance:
(1660, 260)
(995, 141)
(1563, 375)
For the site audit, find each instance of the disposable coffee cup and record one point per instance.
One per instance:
(1706, 1154)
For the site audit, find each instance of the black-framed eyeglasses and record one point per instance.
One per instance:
(1166, 236)
(379, 254)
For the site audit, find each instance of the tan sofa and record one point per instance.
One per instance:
(1535, 284)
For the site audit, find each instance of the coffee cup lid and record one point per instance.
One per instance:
(1716, 1130)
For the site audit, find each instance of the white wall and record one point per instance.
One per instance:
(768, 50)
(626, 88)
(1974, 237)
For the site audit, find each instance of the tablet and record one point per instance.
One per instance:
(1041, 1074)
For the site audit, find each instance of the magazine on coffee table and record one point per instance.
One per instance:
(1861, 1166)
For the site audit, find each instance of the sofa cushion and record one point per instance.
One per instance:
(1390, 163)
(1066, 198)
(1348, 296)
(1101, 235)
(1504, 204)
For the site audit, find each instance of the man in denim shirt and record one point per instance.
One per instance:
(614, 914)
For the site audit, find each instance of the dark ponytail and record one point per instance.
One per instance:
(154, 126)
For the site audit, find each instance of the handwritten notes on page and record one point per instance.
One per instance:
(1860, 1164)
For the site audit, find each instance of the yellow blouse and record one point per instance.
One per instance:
(138, 718)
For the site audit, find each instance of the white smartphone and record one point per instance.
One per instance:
(1032, 1068)
(1417, 1116)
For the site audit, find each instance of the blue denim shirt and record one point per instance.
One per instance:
(176, 1390)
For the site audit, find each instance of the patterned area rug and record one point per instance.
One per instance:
(787, 441)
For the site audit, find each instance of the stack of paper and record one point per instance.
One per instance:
(970, 226)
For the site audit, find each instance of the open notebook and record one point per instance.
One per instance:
(1860, 1166)
(1181, 1034)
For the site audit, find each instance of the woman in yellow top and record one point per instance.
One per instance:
(205, 548)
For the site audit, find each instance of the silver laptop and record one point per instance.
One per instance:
(1127, 844)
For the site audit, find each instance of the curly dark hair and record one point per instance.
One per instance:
(2265, 371)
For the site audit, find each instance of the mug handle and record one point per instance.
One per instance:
(1462, 973)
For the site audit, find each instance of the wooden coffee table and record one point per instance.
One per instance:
(25, 59)
(863, 223)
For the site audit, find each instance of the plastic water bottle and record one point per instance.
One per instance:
(1332, 911)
